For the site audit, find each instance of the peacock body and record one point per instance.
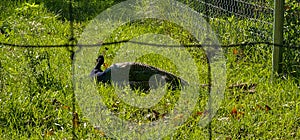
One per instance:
(137, 75)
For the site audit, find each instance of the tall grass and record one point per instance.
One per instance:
(36, 83)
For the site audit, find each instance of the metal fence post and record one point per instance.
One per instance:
(278, 35)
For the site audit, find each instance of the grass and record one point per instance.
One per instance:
(36, 83)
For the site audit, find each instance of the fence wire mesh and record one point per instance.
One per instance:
(37, 49)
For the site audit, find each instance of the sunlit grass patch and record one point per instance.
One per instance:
(36, 83)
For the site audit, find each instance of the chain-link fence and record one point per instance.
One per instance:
(38, 41)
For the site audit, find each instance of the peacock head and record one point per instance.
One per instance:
(100, 59)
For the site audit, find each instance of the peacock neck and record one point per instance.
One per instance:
(98, 67)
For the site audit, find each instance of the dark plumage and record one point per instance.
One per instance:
(141, 76)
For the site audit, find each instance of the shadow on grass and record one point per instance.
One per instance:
(83, 10)
(291, 64)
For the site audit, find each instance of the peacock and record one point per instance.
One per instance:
(141, 76)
